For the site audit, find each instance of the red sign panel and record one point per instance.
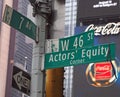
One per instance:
(103, 71)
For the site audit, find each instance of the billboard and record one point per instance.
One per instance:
(102, 71)
(92, 9)
(81, 88)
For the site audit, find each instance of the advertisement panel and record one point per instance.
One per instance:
(97, 9)
(104, 33)
(103, 71)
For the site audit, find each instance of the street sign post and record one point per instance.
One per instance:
(85, 39)
(21, 80)
(19, 22)
(80, 56)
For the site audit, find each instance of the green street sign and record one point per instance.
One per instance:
(19, 22)
(78, 41)
(84, 39)
(74, 57)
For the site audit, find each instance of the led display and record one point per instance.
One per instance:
(92, 9)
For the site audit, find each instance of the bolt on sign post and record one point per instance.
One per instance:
(19, 22)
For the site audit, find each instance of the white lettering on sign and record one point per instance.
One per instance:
(108, 29)
(65, 45)
(85, 53)
(61, 57)
(76, 42)
(103, 68)
(108, 3)
(94, 52)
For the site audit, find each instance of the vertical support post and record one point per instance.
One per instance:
(41, 11)
(38, 76)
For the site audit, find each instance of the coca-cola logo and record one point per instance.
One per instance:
(103, 71)
(103, 68)
(108, 29)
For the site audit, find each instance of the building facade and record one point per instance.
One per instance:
(23, 49)
(70, 22)
(4, 48)
(15, 49)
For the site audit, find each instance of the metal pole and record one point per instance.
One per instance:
(41, 11)
(38, 76)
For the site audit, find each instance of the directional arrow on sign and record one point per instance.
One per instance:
(21, 81)
(18, 78)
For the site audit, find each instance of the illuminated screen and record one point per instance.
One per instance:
(97, 8)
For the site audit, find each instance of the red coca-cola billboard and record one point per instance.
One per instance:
(103, 71)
